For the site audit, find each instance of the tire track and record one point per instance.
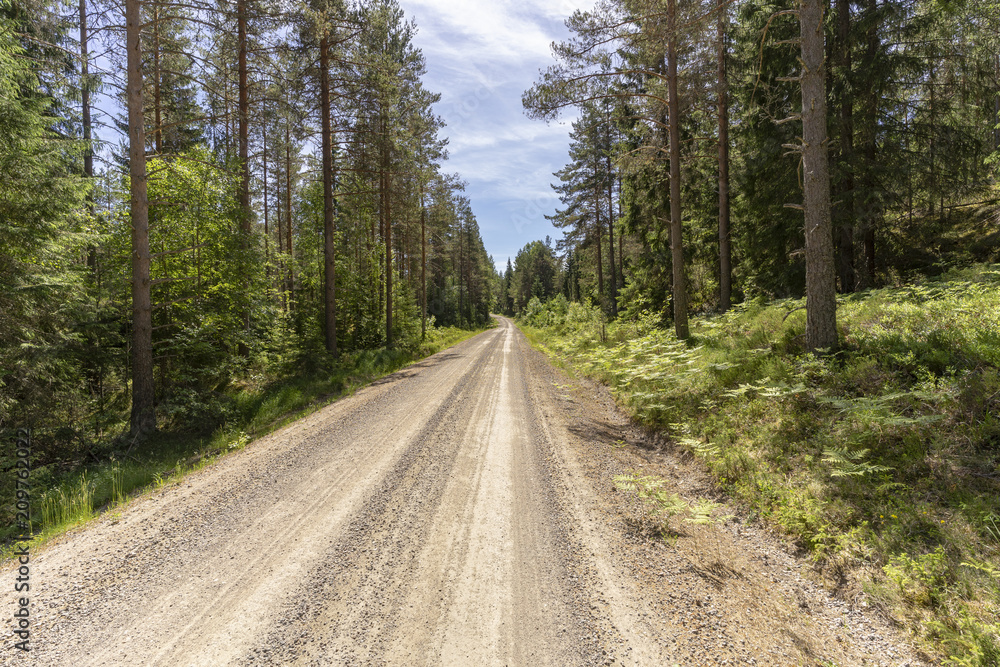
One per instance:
(456, 513)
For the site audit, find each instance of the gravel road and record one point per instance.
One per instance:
(458, 512)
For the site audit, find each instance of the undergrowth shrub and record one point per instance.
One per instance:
(884, 454)
(195, 427)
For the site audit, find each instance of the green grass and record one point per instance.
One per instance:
(64, 497)
(882, 461)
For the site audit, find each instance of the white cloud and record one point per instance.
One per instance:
(481, 57)
(509, 32)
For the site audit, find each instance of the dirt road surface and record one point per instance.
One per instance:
(458, 512)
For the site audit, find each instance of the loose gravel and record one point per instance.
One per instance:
(458, 512)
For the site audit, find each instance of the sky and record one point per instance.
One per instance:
(481, 56)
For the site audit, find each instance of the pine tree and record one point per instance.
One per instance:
(41, 281)
(143, 419)
(821, 286)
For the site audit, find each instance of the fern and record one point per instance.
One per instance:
(988, 568)
(662, 505)
(845, 463)
(782, 390)
(702, 511)
(708, 450)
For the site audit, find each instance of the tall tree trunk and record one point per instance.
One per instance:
(197, 256)
(279, 280)
(468, 271)
(225, 115)
(676, 245)
(996, 103)
(387, 178)
(931, 149)
(157, 106)
(461, 274)
(600, 232)
(846, 211)
(244, 117)
(88, 155)
(290, 275)
(329, 247)
(245, 213)
(611, 237)
(821, 280)
(423, 265)
(401, 242)
(267, 238)
(725, 249)
(88, 151)
(94, 370)
(868, 203)
(621, 243)
(871, 210)
(143, 417)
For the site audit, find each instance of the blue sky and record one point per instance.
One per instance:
(480, 58)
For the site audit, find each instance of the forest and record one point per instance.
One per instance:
(247, 192)
(780, 244)
(689, 172)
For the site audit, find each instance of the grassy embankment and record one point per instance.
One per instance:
(882, 460)
(67, 495)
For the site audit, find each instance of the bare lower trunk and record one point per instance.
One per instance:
(386, 182)
(996, 103)
(244, 153)
(621, 244)
(143, 418)
(329, 248)
(676, 245)
(88, 155)
(868, 206)
(244, 117)
(611, 240)
(845, 218)
(267, 238)
(600, 232)
(461, 274)
(821, 281)
(423, 265)
(290, 284)
(157, 106)
(725, 251)
(88, 151)
(280, 259)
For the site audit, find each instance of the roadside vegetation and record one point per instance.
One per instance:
(69, 490)
(881, 460)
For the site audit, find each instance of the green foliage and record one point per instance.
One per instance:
(42, 230)
(844, 463)
(67, 495)
(887, 452)
(920, 580)
(208, 279)
(534, 277)
(661, 505)
(67, 504)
